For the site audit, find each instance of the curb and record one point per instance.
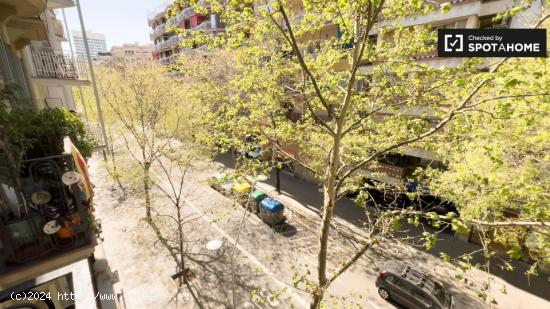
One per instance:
(312, 219)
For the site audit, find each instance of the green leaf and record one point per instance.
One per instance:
(516, 253)
(459, 226)
(446, 7)
(445, 257)
(511, 83)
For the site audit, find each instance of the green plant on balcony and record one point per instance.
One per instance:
(44, 131)
(27, 134)
(12, 142)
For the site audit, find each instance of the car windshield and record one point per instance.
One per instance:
(441, 295)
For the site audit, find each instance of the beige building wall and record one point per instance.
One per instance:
(133, 50)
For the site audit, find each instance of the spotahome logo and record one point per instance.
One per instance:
(491, 43)
(454, 42)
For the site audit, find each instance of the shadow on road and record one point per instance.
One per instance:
(309, 195)
(286, 230)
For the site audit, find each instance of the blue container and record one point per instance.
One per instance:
(271, 205)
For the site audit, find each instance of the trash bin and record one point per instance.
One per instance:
(254, 200)
(242, 187)
(271, 211)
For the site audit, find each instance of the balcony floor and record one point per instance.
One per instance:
(60, 81)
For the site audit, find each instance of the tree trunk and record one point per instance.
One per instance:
(329, 202)
(147, 192)
(116, 176)
(183, 278)
(278, 179)
(316, 301)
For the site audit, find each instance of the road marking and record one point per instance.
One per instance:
(253, 258)
(245, 252)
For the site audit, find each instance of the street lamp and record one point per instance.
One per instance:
(92, 74)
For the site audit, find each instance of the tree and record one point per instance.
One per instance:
(497, 161)
(146, 105)
(357, 99)
(174, 165)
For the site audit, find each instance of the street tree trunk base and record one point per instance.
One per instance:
(184, 276)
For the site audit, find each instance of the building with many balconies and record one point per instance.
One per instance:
(31, 55)
(396, 168)
(46, 222)
(168, 45)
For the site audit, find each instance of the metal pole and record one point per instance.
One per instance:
(99, 111)
(73, 56)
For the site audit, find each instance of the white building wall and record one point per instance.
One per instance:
(96, 43)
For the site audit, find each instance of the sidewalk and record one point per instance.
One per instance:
(522, 292)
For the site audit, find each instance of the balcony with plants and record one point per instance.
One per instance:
(46, 210)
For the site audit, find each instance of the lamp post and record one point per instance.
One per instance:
(92, 74)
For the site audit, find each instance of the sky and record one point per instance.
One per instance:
(121, 21)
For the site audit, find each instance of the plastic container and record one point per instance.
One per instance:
(242, 187)
(271, 211)
(255, 198)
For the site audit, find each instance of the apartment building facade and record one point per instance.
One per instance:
(45, 225)
(96, 43)
(167, 45)
(36, 61)
(396, 168)
(133, 51)
(468, 14)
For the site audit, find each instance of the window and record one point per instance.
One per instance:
(392, 279)
(490, 22)
(453, 25)
(313, 48)
(288, 54)
(419, 294)
(441, 295)
(373, 40)
(362, 83)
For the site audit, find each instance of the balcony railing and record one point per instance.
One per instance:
(169, 60)
(161, 9)
(47, 64)
(187, 12)
(181, 16)
(168, 44)
(208, 26)
(391, 170)
(47, 217)
(158, 31)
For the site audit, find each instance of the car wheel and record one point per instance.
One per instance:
(384, 293)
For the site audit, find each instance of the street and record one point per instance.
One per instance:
(267, 260)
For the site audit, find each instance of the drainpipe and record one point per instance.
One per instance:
(74, 59)
(92, 74)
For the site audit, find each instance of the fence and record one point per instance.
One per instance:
(47, 64)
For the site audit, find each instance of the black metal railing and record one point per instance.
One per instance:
(45, 215)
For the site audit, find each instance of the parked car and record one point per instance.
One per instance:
(387, 196)
(412, 288)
